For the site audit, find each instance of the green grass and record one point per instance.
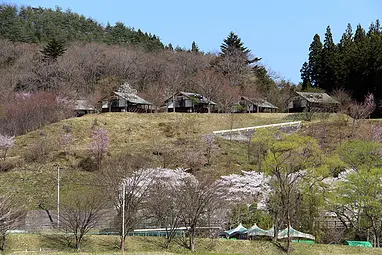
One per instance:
(19, 244)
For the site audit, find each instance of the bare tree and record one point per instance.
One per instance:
(359, 111)
(233, 66)
(344, 98)
(210, 147)
(80, 213)
(162, 205)
(10, 216)
(196, 200)
(209, 83)
(227, 98)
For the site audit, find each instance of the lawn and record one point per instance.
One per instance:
(51, 244)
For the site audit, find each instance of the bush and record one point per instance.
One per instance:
(41, 150)
(88, 164)
(6, 166)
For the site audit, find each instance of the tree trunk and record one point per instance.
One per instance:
(47, 212)
(173, 103)
(78, 242)
(288, 243)
(123, 243)
(209, 106)
(275, 229)
(5, 154)
(3, 239)
(192, 239)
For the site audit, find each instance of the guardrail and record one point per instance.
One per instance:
(287, 124)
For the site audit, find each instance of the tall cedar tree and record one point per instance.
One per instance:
(53, 50)
(232, 44)
(194, 47)
(315, 60)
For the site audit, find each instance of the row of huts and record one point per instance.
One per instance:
(126, 100)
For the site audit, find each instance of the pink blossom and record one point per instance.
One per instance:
(100, 144)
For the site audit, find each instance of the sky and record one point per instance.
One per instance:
(279, 32)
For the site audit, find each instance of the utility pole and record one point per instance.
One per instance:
(58, 195)
(123, 216)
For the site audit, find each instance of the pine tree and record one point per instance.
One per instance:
(194, 47)
(53, 50)
(233, 44)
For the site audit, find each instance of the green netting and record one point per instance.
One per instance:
(358, 243)
(303, 241)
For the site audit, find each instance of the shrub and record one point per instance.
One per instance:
(88, 164)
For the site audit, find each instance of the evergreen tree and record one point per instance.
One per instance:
(36, 25)
(233, 45)
(170, 47)
(305, 75)
(328, 66)
(194, 47)
(359, 35)
(315, 62)
(347, 37)
(354, 64)
(53, 50)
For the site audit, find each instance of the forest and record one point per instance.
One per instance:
(353, 64)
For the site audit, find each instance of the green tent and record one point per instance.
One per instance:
(257, 231)
(358, 243)
(239, 230)
(294, 234)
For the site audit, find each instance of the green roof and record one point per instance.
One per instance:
(358, 243)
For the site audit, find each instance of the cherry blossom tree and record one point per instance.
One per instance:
(66, 141)
(100, 144)
(211, 148)
(6, 143)
(248, 187)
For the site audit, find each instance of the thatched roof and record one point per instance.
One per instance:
(262, 103)
(198, 98)
(320, 98)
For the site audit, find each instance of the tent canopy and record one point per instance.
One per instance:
(257, 231)
(294, 234)
(232, 232)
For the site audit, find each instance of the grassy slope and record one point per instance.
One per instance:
(129, 132)
(18, 244)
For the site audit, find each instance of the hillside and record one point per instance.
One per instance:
(160, 139)
(40, 25)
